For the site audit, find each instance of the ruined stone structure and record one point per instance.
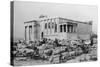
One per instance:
(57, 28)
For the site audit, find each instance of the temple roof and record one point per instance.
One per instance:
(74, 21)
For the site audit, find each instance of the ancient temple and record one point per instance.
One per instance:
(57, 28)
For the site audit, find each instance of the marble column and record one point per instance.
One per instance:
(47, 27)
(70, 28)
(58, 28)
(50, 28)
(25, 33)
(30, 31)
(73, 28)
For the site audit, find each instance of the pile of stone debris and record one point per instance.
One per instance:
(58, 51)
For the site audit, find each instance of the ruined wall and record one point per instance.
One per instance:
(84, 30)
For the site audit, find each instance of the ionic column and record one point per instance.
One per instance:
(30, 31)
(75, 28)
(25, 33)
(58, 28)
(47, 27)
(50, 28)
(70, 28)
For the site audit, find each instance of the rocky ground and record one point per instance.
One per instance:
(81, 58)
(52, 54)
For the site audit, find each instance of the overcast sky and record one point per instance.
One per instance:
(26, 11)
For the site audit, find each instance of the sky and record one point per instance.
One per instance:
(27, 11)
